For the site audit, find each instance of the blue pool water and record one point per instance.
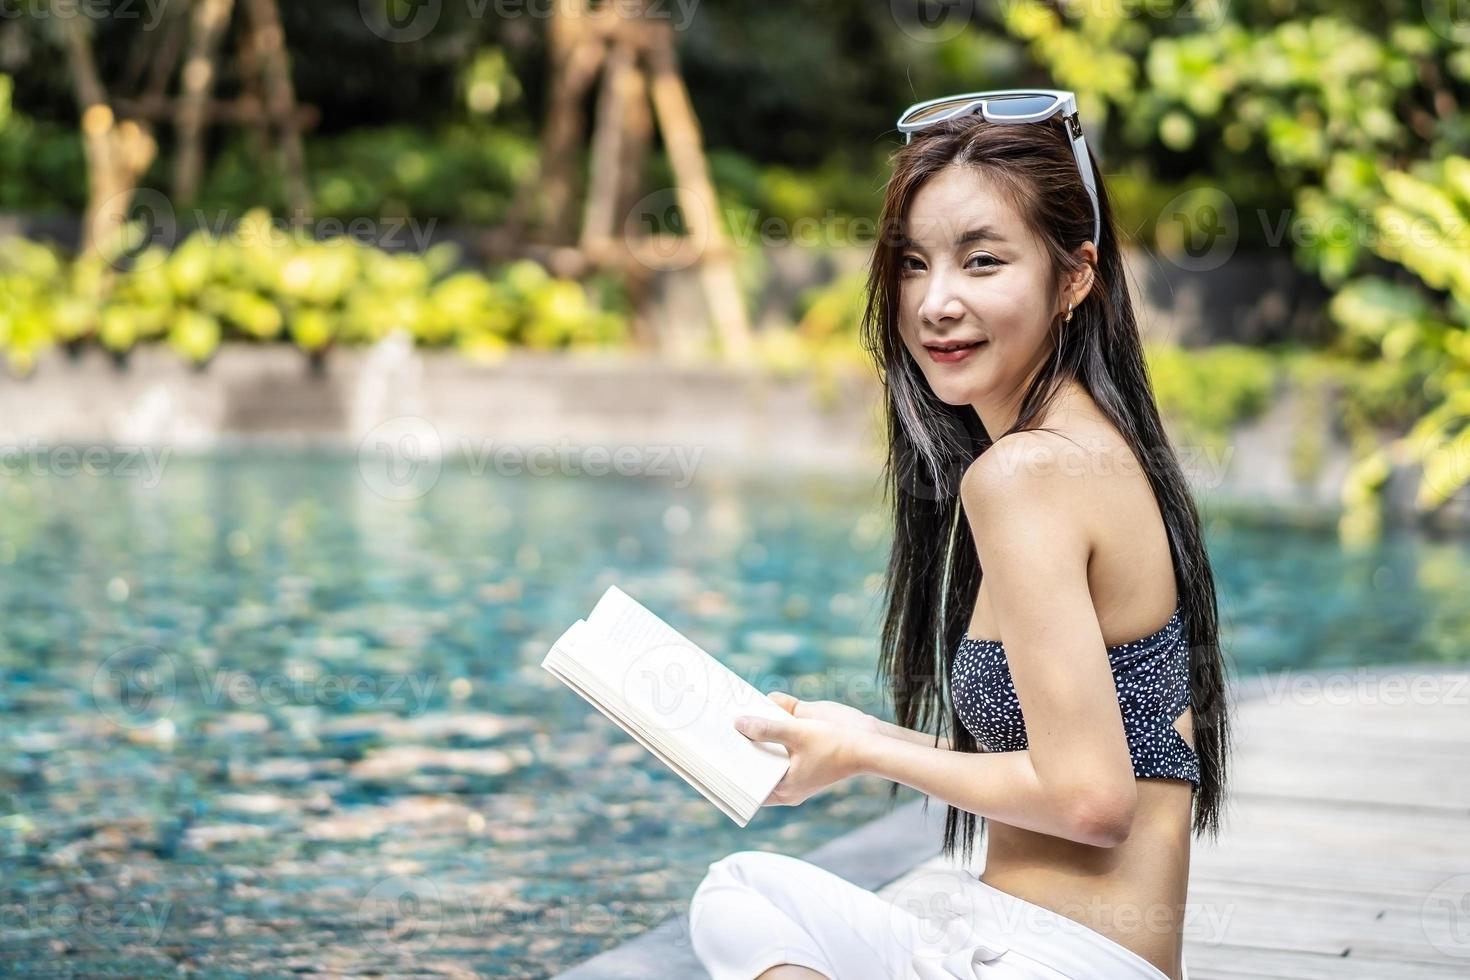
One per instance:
(260, 717)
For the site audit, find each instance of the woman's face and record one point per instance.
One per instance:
(970, 270)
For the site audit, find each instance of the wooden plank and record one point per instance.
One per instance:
(1321, 925)
(1229, 962)
(1388, 886)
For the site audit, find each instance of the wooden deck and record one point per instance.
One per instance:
(1345, 848)
(1344, 851)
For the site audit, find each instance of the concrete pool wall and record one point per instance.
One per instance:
(537, 412)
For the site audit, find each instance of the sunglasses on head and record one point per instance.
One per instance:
(1011, 106)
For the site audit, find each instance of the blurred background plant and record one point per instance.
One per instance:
(1354, 111)
(261, 283)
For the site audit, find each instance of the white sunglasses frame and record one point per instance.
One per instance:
(1064, 106)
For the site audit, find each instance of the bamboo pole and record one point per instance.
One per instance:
(599, 219)
(117, 152)
(696, 197)
(280, 98)
(578, 52)
(638, 129)
(207, 24)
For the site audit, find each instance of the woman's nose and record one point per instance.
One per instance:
(941, 302)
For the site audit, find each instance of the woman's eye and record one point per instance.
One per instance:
(912, 263)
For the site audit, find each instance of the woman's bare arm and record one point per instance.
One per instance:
(910, 735)
(845, 714)
(1002, 786)
(1075, 778)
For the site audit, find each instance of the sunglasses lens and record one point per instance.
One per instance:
(932, 112)
(1020, 105)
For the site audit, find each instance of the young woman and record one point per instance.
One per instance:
(1061, 639)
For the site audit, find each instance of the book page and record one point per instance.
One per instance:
(627, 725)
(670, 683)
(566, 659)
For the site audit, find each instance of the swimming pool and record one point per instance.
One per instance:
(260, 715)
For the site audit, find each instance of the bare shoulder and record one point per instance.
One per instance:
(1020, 466)
(1038, 485)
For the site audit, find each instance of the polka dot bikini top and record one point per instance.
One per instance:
(1152, 678)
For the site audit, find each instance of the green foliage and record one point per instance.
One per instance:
(41, 164)
(1424, 327)
(824, 345)
(1209, 391)
(836, 309)
(488, 83)
(260, 283)
(1422, 225)
(1440, 443)
(1350, 109)
(464, 172)
(194, 335)
(824, 199)
(465, 169)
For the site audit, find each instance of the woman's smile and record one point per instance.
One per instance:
(954, 351)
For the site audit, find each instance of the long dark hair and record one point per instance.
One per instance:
(933, 574)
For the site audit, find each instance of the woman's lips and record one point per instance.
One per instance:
(951, 356)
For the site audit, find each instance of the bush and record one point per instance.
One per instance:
(257, 283)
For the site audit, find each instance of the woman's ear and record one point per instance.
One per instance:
(1079, 283)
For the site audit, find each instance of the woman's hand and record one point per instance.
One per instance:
(819, 749)
(833, 711)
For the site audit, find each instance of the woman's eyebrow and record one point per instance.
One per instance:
(979, 233)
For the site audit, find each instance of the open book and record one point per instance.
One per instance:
(676, 700)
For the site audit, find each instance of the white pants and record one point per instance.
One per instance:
(757, 909)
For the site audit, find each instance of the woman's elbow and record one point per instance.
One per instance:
(1103, 819)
